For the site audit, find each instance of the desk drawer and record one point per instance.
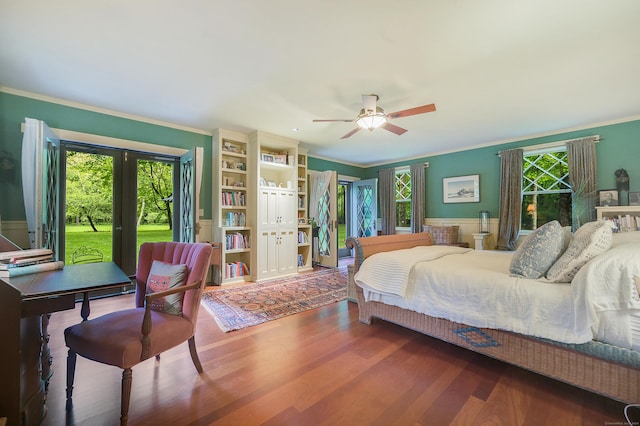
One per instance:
(48, 305)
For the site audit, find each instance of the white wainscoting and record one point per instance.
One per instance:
(17, 232)
(206, 230)
(468, 226)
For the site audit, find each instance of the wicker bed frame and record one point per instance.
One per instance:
(600, 368)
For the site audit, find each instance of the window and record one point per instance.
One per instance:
(403, 198)
(546, 192)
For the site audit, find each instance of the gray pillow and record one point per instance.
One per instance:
(590, 240)
(538, 252)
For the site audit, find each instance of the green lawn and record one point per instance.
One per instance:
(342, 234)
(82, 235)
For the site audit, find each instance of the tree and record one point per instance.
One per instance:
(155, 188)
(89, 187)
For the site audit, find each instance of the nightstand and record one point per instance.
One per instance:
(480, 238)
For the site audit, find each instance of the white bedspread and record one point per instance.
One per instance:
(475, 288)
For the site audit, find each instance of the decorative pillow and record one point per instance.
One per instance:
(164, 276)
(590, 240)
(443, 235)
(568, 235)
(539, 251)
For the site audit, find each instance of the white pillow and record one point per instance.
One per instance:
(589, 240)
(538, 252)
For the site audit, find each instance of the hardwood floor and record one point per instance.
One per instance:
(318, 367)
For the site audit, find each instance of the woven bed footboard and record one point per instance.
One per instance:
(611, 379)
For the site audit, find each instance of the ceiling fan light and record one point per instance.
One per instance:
(371, 120)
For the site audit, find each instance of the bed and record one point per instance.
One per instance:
(573, 332)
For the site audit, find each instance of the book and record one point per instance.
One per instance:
(9, 256)
(32, 269)
(18, 263)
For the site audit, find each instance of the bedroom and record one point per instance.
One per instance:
(619, 129)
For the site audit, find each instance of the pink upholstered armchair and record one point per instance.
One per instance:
(169, 284)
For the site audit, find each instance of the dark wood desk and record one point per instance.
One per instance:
(25, 303)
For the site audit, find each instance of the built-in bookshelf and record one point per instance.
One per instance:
(304, 227)
(231, 201)
(625, 218)
(276, 209)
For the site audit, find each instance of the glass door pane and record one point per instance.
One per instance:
(154, 212)
(88, 207)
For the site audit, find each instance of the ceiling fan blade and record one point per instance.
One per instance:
(350, 133)
(413, 111)
(369, 102)
(393, 128)
(338, 119)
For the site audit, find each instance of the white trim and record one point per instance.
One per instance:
(99, 110)
(87, 138)
(557, 146)
(347, 178)
(107, 141)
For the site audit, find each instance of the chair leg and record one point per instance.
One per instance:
(71, 372)
(194, 354)
(127, 377)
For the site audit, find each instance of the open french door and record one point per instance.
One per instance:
(189, 181)
(324, 198)
(41, 185)
(364, 202)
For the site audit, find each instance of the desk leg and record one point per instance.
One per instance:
(46, 359)
(85, 310)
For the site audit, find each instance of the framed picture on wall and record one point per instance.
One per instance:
(634, 198)
(608, 197)
(461, 189)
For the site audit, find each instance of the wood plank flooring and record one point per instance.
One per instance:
(319, 367)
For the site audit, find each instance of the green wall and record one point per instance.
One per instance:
(14, 109)
(342, 169)
(619, 148)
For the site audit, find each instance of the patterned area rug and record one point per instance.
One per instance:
(251, 304)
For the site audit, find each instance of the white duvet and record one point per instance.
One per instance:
(474, 288)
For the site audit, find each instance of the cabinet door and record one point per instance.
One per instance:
(288, 251)
(268, 208)
(287, 208)
(267, 253)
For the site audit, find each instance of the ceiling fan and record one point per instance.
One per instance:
(372, 116)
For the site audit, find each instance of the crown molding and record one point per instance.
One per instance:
(99, 110)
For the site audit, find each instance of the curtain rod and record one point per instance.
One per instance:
(553, 144)
(407, 166)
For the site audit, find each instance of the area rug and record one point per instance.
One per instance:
(251, 304)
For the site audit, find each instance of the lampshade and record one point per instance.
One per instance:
(371, 120)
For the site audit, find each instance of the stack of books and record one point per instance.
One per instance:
(23, 262)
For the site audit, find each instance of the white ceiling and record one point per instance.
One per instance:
(497, 70)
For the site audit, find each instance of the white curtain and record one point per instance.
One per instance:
(30, 152)
(319, 185)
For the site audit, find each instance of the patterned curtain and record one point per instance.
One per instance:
(388, 200)
(581, 156)
(417, 197)
(510, 198)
